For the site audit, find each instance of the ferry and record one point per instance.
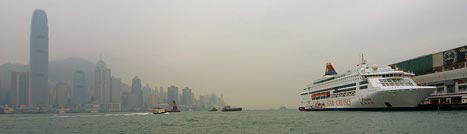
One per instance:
(158, 110)
(214, 109)
(364, 88)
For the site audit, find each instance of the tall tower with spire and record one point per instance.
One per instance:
(39, 58)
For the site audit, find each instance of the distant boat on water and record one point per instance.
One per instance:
(6, 110)
(174, 107)
(62, 109)
(213, 109)
(229, 108)
(282, 108)
(158, 110)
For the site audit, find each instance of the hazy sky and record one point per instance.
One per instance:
(259, 53)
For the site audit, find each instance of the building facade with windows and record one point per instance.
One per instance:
(172, 94)
(446, 70)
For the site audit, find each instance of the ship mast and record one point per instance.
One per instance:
(363, 60)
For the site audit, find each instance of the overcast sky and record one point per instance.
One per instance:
(258, 53)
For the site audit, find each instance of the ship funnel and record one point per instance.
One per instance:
(330, 70)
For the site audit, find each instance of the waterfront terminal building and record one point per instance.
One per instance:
(446, 70)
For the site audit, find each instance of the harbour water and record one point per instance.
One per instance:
(254, 122)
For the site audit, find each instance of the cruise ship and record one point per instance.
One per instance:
(364, 88)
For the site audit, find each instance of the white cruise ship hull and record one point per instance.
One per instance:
(404, 98)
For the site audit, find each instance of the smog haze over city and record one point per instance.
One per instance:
(259, 54)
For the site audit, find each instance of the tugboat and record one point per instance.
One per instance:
(174, 107)
(228, 109)
(158, 110)
(213, 109)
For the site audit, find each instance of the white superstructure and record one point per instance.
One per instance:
(364, 88)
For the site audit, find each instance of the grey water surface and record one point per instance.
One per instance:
(248, 122)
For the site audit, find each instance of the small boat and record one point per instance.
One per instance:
(174, 107)
(6, 110)
(158, 110)
(282, 108)
(228, 109)
(213, 109)
(62, 109)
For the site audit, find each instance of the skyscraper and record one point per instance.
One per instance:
(62, 93)
(162, 95)
(148, 96)
(79, 88)
(172, 94)
(103, 83)
(125, 100)
(116, 90)
(6, 75)
(39, 58)
(21, 90)
(136, 94)
(187, 98)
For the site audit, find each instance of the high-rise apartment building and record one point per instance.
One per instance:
(162, 95)
(79, 88)
(20, 94)
(172, 94)
(62, 93)
(102, 83)
(136, 95)
(116, 90)
(187, 98)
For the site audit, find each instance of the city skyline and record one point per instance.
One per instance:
(72, 93)
(278, 48)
